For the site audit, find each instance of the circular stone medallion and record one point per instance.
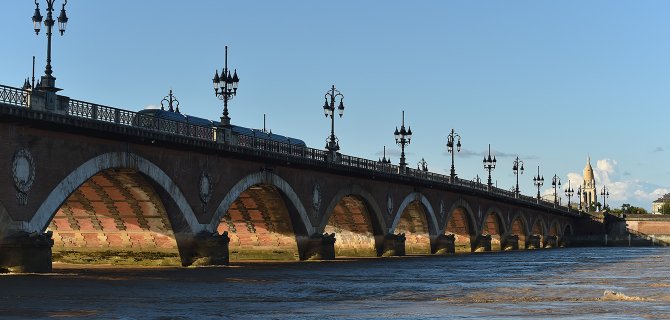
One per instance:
(23, 170)
(205, 187)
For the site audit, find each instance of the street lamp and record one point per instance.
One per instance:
(579, 195)
(450, 147)
(556, 183)
(605, 192)
(490, 164)
(422, 165)
(517, 167)
(538, 181)
(384, 160)
(170, 100)
(329, 110)
(403, 137)
(225, 88)
(48, 82)
(569, 192)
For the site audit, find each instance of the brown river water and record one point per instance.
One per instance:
(569, 283)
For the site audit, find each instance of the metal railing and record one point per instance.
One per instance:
(81, 109)
(14, 96)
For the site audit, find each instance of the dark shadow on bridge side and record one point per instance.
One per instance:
(262, 225)
(116, 217)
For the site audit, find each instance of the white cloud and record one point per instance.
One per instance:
(607, 173)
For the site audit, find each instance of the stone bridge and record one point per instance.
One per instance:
(80, 179)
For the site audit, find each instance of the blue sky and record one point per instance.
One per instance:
(550, 81)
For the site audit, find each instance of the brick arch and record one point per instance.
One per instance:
(472, 221)
(428, 210)
(522, 218)
(494, 219)
(463, 242)
(543, 226)
(498, 213)
(112, 160)
(567, 230)
(416, 219)
(355, 218)
(368, 199)
(263, 178)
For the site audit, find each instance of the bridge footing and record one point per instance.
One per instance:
(26, 253)
(533, 242)
(482, 243)
(510, 242)
(205, 249)
(394, 245)
(319, 247)
(445, 244)
(551, 242)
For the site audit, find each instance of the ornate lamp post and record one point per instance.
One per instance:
(225, 88)
(384, 160)
(403, 137)
(422, 165)
(605, 192)
(569, 192)
(579, 195)
(538, 181)
(556, 183)
(450, 147)
(517, 167)
(48, 82)
(170, 100)
(332, 143)
(490, 164)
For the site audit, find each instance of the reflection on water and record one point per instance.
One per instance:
(574, 283)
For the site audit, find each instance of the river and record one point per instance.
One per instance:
(569, 283)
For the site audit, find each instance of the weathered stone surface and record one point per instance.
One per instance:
(394, 245)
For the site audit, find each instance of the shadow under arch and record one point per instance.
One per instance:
(462, 224)
(493, 224)
(255, 213)
(416, 219)
(356, 219)
(114, 160)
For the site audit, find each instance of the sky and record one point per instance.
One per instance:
(552, 82)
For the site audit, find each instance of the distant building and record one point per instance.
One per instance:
(589, 192)
(658, 203)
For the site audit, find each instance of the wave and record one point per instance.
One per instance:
(610, 295)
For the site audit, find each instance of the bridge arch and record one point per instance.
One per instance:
(268, 178)
(568, 230)
(354, 216)
(264, 218)
(112, 160)
(493, 224)
(416, 219)
(462, 224)
(519, 227)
